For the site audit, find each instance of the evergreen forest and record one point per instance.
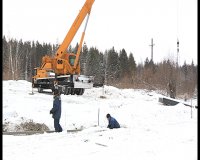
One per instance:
(111, 67)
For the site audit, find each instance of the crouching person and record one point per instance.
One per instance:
(112, 122)
(56, 110)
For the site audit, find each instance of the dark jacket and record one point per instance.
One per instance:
(112, 123)
(56, 110)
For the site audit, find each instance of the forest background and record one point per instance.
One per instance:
(115, 68)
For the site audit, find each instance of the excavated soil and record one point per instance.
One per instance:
(25, 126)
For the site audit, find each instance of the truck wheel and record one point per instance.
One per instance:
(77, 91)
(40, 90)
(67, 91)
(80, 91)
(72, 91)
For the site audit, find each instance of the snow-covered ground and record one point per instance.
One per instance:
(150, 130)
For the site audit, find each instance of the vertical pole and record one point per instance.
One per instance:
(105, 75)
(191, 107)
(177, 52)
(32, 89)
(98, 115)
(152, 49)
(65, 120)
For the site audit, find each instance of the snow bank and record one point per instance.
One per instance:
(149, 129)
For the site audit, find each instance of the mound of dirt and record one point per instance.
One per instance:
(25, 126)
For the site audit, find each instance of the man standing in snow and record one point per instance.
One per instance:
(56, 110)
(112, 122)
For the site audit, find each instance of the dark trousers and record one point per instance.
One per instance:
(57, 126)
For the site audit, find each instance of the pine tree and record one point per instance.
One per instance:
(146, 63)
(123, 63)
(5, 57)
(113, 67)
(94, 65)
(75, 48)
(185, 70)
(28, 61)
(131, 66)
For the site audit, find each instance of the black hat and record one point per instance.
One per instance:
(108, 115)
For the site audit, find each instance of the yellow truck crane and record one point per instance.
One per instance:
(63, 70)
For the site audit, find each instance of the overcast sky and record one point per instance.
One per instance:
(128, 24)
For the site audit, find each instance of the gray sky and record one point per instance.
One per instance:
(128, 24)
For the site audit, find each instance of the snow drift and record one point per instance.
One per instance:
(149, 129)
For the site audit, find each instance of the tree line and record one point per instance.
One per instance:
(111, 67)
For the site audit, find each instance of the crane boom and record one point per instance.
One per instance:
(63, 69)
(74, 28)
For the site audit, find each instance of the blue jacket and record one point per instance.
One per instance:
(112, 123)
(56, 110)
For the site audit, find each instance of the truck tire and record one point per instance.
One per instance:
(73, 91)
(67, 91)
(40, 90)
(80, 91)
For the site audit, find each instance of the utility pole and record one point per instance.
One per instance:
(178, 82)
(177, 52)
(152, 48)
